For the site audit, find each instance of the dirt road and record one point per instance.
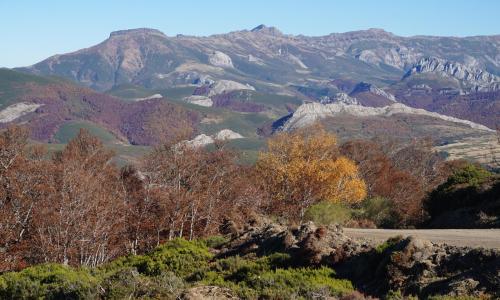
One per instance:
(487, 238)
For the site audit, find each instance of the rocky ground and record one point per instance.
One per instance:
(411, 265)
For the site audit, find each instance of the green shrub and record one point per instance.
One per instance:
(470, 175)
(390, 243)
(396, 295)
(270, 277)
(161, 274)
(129, 284)
(326, 213)
(379, 210)
(303, 282)
(468, 186)
(181, 257)
(236, 268)
(484, 297)
(49, 281)
(215, 241)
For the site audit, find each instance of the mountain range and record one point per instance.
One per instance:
(252, 81)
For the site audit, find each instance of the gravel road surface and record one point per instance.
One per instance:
(487, 238)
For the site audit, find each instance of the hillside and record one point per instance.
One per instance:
(55, 109)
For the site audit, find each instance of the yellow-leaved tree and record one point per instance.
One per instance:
(304, 167)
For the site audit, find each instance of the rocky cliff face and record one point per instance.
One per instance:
(469, 77)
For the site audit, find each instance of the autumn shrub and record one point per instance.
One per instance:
(326, 213)
(301, 168)
(48, 281)
(402, 173)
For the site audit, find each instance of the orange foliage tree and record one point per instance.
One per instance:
(304, 167)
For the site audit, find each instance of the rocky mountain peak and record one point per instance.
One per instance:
(341, 98)
(370, 88)
(368, 34)
(471, 77)
(267, 30)
(137, 31)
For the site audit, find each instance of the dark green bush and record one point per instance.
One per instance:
(466, 187)
(215, 241)
(389, 244)
(470, 175)
(379, 210)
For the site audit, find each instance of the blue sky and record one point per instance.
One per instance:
(33, 30)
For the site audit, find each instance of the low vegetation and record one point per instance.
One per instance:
(170, 269)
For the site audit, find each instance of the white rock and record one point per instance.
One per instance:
(381, 92)
(199, 141)
(340, 98)
(296, 61)
(14, 111)
(199, 100)
(255, 60)
(308, 113)
(220, 59)
(397, 57)
(203, 139)
(155, 96)
(223, 86)
(227, 134)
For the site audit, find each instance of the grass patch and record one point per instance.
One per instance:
(69, 131)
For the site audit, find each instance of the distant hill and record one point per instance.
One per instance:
(51, 106)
